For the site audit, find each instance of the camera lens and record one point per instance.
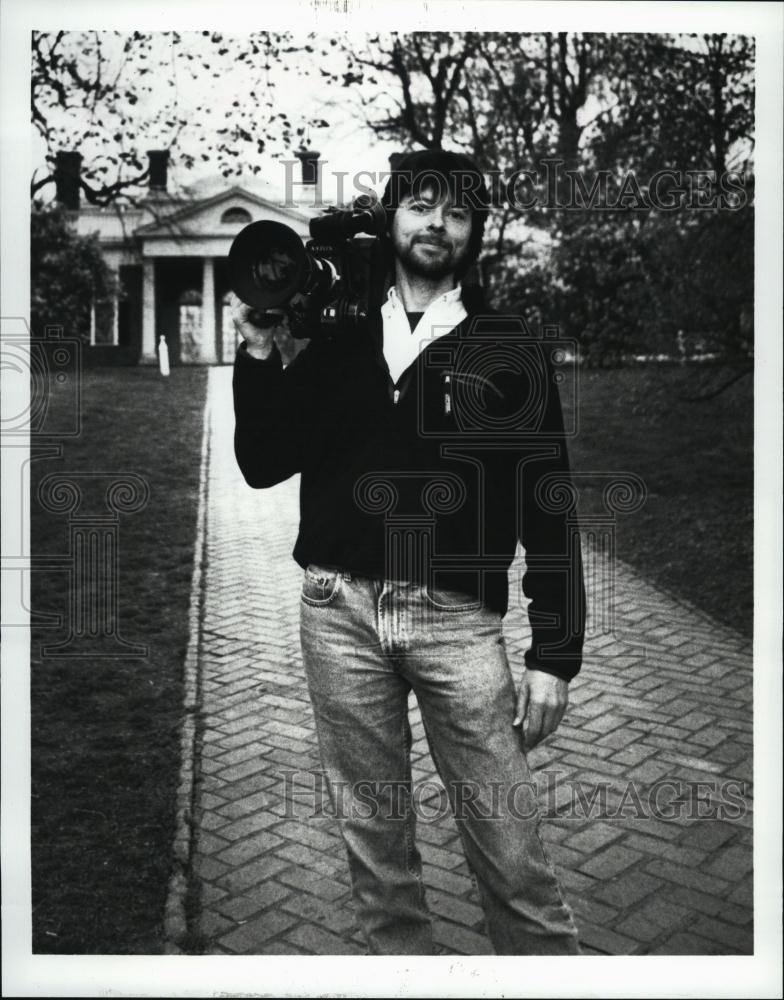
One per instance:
(273, 271)
(267, 264)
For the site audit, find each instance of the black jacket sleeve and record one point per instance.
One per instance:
(553, 579)
(272, 405)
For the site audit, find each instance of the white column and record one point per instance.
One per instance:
(208, 355)
(148, 313)
(92, 322)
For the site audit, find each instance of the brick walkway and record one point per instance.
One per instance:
(666, 702)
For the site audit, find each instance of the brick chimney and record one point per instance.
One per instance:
(67, 174)
(159, 165)
(309, 158)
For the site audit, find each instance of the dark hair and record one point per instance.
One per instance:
(450, 173)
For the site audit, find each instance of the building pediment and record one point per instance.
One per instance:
(221, 216)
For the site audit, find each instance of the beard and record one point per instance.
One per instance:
(424, 263)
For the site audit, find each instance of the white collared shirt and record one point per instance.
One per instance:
(402, 345)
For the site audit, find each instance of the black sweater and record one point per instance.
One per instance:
(432, 480)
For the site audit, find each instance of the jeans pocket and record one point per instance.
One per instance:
(450, 600)
(320, 585)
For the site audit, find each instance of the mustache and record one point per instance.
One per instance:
(434, 241)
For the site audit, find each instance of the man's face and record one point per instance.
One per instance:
(429, 235)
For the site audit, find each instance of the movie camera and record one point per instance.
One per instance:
(325, 286)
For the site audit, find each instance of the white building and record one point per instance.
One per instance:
(170, 255)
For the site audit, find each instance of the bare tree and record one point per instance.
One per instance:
(114, 95)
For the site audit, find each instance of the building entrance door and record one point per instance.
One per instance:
(178, 308)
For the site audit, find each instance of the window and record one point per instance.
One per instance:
(230, 339)
(190, 326)
(102, 322)
(236, 217)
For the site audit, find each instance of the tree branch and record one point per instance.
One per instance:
(409, 112)
(35, 186)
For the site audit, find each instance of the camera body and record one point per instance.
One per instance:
(325, 287)
(355, 291)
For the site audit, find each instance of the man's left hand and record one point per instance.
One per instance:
(541, 703)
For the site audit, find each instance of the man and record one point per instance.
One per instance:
(426, 447)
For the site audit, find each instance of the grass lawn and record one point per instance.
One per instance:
(694, 535)
(105, 733)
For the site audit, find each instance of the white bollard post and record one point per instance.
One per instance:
(163, 356)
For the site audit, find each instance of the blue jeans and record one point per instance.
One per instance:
(366, 643)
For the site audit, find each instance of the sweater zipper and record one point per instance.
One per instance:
(396, 396)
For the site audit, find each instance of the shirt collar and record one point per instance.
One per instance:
(453, 295)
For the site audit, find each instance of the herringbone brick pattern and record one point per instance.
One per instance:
(645, 788)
